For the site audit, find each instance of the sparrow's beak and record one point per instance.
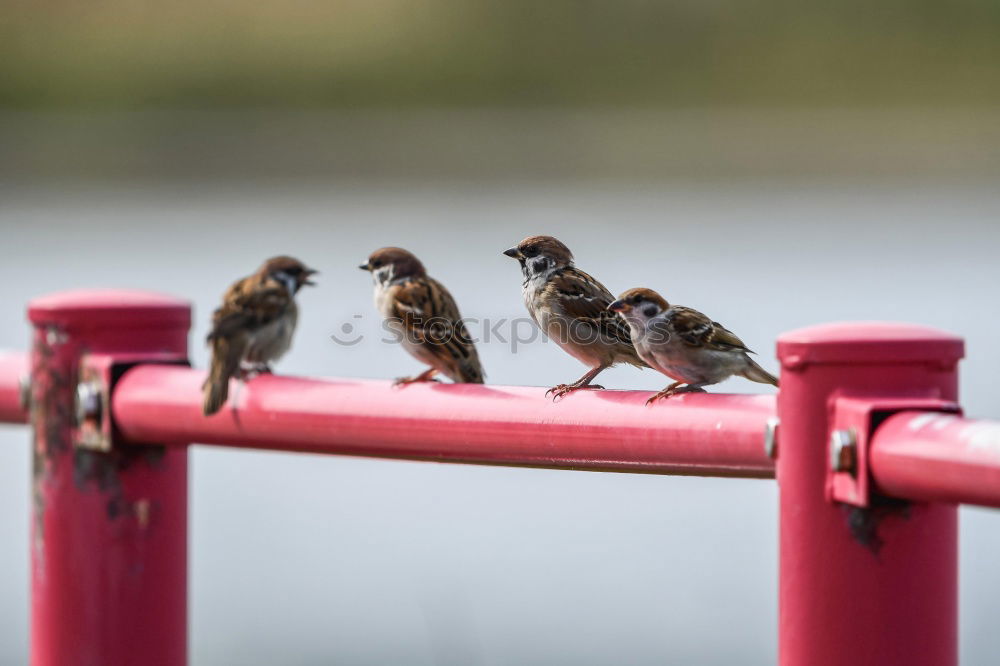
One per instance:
(619, 306)
(513, 253)
(365, 267)
(309, 273)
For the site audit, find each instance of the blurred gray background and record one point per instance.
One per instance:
(309, 560)
(774, 165)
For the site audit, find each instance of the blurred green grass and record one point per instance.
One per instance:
(399, 53)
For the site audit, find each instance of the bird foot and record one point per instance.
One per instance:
(253, 370)
(675, 389)
(560, 390)
(424, 377)
(665, 393)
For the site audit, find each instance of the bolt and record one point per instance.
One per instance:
(844, 451)
(771, 438)
(88, 401)
(24, 384)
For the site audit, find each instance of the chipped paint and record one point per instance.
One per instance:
(55, 336)
(50, 418)
(141, 509)
(55, 375)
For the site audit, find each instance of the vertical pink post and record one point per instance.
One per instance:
(109, 534)
(861, 587)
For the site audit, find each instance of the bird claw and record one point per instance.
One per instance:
(560, 390)
(666, 393)
(674, 389)
(405, 381)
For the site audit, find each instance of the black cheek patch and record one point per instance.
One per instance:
(650, 311)
(539, 265)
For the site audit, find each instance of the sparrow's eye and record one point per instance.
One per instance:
(530, 251)
(376, 263)
(637, 299)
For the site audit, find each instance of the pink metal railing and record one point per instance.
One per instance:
(871, 459)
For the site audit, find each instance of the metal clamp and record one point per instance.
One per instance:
(854, 421)
(93, 427)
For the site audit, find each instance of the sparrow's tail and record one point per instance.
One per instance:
(470, 372)
(225, 362)
(755, 373)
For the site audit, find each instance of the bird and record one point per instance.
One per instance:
(424, 316)
(254, 325)
(570, 307)
(684, 344)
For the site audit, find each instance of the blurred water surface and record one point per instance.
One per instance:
(307, 560)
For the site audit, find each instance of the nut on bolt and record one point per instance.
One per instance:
(844, 451)
(88, 401)
(24, 392)
(771, 438)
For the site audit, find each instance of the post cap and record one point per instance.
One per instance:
(127, 308)
(868, 342)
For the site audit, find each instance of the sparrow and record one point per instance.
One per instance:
(570, 307)
(424, 315)
(684, 344)
(253, 326)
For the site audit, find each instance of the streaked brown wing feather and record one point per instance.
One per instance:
(583, 297)
(249, 304)
(697, 330)
(431, 318)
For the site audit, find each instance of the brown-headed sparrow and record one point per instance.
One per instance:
(571, 308)
(684, 344)
(253, 326)
(424, 315)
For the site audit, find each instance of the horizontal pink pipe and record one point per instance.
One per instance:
(13, 367)
(699, 434)
(938, 458)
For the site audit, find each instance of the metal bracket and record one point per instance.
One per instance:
(93, 425)
(854, 420)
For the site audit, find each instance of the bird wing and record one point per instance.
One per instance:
(431, 319)
(584, 298)
(249, 304)
(698, 330)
